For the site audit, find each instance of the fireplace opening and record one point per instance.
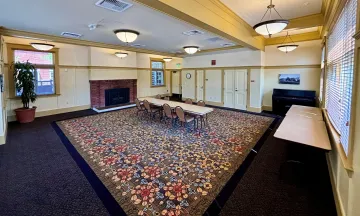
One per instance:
(117, 96)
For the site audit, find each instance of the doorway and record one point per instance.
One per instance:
(176, 84)
(235, 89)
(199, 85)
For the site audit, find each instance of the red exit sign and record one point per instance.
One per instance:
(213, 62)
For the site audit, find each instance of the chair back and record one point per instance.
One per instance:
(138, 105)
(201, 103)
(167, 110)
(180, 113)
(188, 101)
(147, 105)
(158, 96)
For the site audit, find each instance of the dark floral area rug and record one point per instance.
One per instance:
(151, 168)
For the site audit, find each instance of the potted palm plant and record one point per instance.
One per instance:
(24, 84)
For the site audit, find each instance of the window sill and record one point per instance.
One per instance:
(157, 86)
(39, 96)
(335, 141)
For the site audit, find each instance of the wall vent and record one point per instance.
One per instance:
(137, 45)
(227, 44)
(114, 5)
(193, 32)
(214, 39)
(71, 35)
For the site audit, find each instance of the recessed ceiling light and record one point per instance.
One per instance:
(306, 3)
(167, 59)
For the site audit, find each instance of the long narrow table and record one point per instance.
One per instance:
(306, 112)
(193, 109)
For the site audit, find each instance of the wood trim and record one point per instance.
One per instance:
(164, 71)
(267, 108)
(10, 52)
(53, 112)
(248, 95)
(338, 203)
(335, 141)
(313, 20)
(308, 36)
(224, 68)
(58, 39)
(254, 109)
(292, 66)
(357, 35)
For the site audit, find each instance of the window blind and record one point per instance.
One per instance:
(340, 70)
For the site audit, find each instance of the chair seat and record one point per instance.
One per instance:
(155, 110)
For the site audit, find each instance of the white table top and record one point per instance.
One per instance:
(305, 131)
(305, 111)
(194, 109)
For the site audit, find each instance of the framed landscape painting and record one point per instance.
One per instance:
(289, 79)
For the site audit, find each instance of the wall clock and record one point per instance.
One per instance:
(188, 75)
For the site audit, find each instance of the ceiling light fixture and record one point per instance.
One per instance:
(287, 47)
(271, 26)
(126, 35)
(191, 49)
(167, 59)
(42, 46)
(121, 54)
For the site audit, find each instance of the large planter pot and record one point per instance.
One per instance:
(24, 115)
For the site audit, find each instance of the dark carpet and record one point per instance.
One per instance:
(39, 177)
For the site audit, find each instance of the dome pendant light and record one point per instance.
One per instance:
(287, 47)
(42, 46)
(191, 49)
(121, 54)
(271, 26)
(126, 35)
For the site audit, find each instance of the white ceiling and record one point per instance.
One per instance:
(253, 10)
(157, 31)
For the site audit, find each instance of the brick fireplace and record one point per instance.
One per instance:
(98, 88)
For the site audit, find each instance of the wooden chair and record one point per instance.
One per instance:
(184, 119)
(200, 103)
(151, 110)
(188, 101)
(158, 96)
(169, 114)
(140, 107)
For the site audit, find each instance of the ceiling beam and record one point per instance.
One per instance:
(38, 36)
(310, 21)
(296, 38)
(211, 16)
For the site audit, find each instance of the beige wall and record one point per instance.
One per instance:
(79, 64)
(305, 60)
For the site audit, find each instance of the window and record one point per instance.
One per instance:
(157, 73)
(340, 71)
(45, 67)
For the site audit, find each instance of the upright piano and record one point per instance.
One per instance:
(282, 99)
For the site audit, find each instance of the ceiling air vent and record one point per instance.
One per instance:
(214, 39)
(137, 45)
(114, 5)
(193, 32)
(71, 35)
(227, 44)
